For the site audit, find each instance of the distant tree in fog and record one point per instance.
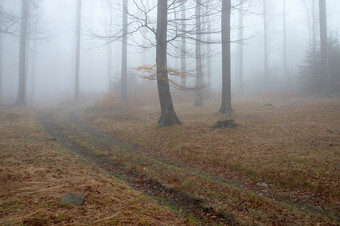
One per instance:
(199, 73)
(240, 46)
(183, 45)
(77, 65)
(124, 52)
(323, 44)
(1, 45)
(285, 67)
(311, 72)
(22, 53)
(265, 39)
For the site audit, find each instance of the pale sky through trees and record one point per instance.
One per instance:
(55, 54)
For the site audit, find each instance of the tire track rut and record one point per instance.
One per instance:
(71, 132)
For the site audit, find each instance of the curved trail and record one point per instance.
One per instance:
(125, 162)
(155, 176)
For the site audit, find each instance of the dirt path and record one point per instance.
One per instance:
(124, 162)
(201, 196)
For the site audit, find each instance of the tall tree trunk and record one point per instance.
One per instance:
(1, 51)
(168, 115)
(33, 71)
(199, 74)
(183, 49)
(226, 64)
(313, 29)
(265, 63)
(124, 52)
(109, 58)
(285, 68)
(109, 66)
(21, 98)
(240, 49)
(78, 30)
(324, 45)
(209, 54)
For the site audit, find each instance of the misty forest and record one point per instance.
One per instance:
(169, 112)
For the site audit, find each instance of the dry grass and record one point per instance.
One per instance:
(293, 146)
(36, 171)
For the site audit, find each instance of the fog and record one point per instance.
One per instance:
(51, 50)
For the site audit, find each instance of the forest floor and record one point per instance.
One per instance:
(281, 166)
(36, 170)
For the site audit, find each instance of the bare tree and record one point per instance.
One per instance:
(209, 52)
(226, 64)
(22, 54)
(199, 73)
(265, 38)
(285, 67)
(109, 55)
(168, 115)
(324, 44)
(77, 65)
(240, 48)
(124, 51)
(183, 47)
(1, 47)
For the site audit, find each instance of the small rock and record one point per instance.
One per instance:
(329, 130)
(262, 184)
(268, 105)
(265, 191)
(73, 199)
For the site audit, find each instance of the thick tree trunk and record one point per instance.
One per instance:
(265, 50)
(324, 46)
(183, 49)
(240, 50)
(168, 115)
(226, 64)
(78, 30)
(124, 52)
(199, 74)
(21, 98)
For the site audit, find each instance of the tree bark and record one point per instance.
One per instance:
(124, 52)
(226, 64)
(78, 32)
(199, 74)
(168, 115)
(21, 98)
(324, 45)
(183, 49)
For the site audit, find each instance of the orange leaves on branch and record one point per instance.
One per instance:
(149, 72)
